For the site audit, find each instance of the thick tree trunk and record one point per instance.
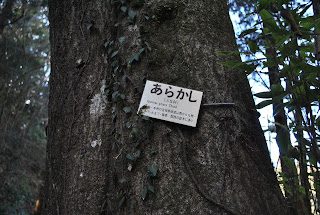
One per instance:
(220, 167)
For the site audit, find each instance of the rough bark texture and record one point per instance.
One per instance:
(220, 167)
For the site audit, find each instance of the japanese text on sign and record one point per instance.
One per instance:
(170, 103)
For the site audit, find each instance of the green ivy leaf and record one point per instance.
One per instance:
(122, 180)
(138, 153)
(114, 63)
(123, 199)
(122, 96)
(130, 157)
(89, 26)
(153, 170)
(141, 50)
(122, 39)
(128, 124)
(134, 57)
(133, 203)
(106, 44)
(137, 143)
(148, 46)
(145, 118)
(107, 92)
(123, 9)
(144, 193)
(132, 14)
(115, 94)
(114, 54)
(131, 60)
(151, 188)
(127, 109)
(109, 50)
(134, 130)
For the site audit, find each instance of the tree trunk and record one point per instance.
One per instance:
(283, 136)
(102, 160)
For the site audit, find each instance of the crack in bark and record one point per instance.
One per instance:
(194, 180)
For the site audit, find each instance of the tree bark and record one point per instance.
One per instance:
(220, 167)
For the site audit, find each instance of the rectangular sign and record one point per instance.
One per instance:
(170, 103)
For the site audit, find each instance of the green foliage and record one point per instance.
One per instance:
(144, 193)
(151, 188)
(127, 109)
(123, 9)
(280, 41)
(132, 14)
(122, 39)
(130, 157)
(138, 127)
(153, 170)
(114, 54)
(123, 199)
(24, 66)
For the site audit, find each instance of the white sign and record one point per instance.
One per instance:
(170, 103)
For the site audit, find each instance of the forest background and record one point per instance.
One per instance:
(279, 43)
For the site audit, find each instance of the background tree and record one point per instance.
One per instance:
(24, 62)
(102, 158)
(284, 42)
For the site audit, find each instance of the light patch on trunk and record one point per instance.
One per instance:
(95, 143)
(134, 36)
(99, 102)
(97, 107)
(133, 28)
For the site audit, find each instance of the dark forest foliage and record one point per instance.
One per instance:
(281, 46)
(24, 64)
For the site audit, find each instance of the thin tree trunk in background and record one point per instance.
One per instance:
(303, 166)
(280, 120)
(220, 167)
